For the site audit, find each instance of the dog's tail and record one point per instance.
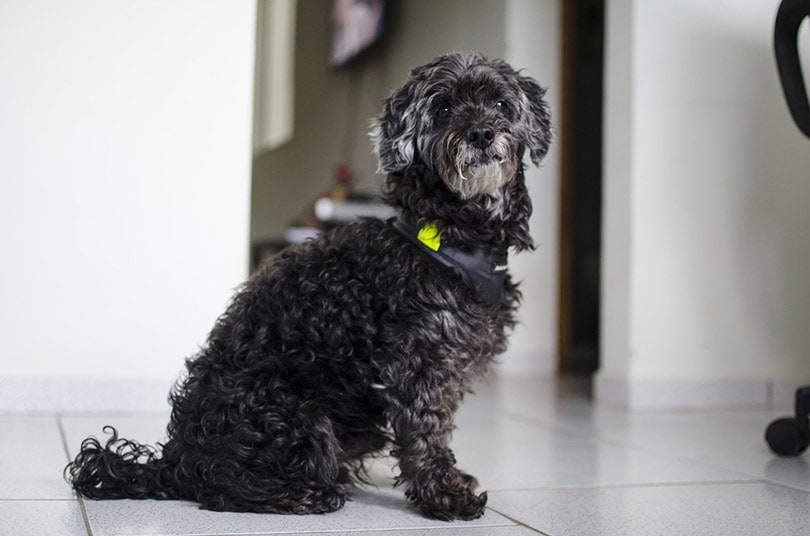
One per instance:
(120, 469)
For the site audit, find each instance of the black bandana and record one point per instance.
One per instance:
(482, 268)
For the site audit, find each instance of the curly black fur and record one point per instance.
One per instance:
(356, 340)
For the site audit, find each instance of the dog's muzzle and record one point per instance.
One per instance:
(481, 162)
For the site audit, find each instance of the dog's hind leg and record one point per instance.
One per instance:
(308, 469)
(292, 467)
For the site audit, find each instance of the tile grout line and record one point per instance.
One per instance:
(84, 516)
(642, 485)
(517, 522)
(28, 499)
(66, 449)
(783, 485)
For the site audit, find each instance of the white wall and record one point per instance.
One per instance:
(707, 209)
(125, 146)
(533, 43)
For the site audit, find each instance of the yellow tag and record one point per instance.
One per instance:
(430, 235)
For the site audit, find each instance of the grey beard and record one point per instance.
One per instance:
(468, 178)
(486, 179)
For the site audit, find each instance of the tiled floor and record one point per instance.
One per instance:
(553, 464)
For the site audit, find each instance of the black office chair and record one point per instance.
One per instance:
(790, 436)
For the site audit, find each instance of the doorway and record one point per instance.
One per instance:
(581, 186)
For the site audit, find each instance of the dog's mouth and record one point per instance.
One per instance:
(473, 170)
(482, 160)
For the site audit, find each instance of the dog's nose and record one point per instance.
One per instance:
(480, 136)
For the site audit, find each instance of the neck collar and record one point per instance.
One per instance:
(483, 268)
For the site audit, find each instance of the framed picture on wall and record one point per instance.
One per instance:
(356, 26)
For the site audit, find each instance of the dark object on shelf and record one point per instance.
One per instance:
(790, 436)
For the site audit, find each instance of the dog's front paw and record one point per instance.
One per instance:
(448, 502)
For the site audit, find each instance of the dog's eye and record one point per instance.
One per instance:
(443, 112)
(501, 106)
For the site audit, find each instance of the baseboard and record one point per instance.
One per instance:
(84, 395)
(643, 394)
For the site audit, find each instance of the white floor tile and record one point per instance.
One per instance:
(498, 427)
(732, 441)
(544, 399)
(517, 455)
(566, 465)
(32, 458)
(35, 518)
(754, 509)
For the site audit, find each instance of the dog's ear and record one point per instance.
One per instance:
(536, 116)
(393, 133)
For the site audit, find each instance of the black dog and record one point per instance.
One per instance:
(367, 336)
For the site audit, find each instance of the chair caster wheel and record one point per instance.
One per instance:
(790, 436)
(786, 437)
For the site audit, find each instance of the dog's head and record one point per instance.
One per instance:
(465, 118)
